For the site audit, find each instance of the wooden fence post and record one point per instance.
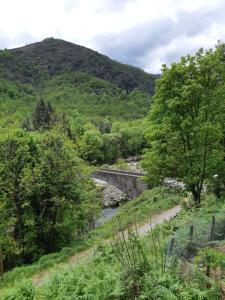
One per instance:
(190, 242)
(171, 246)
(191, 233)
(213, 225)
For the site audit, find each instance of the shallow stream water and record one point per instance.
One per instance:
(107, 213)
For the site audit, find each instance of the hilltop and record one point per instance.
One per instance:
(51, 56)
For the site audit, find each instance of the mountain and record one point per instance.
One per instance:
(52, 56)
(74, 79)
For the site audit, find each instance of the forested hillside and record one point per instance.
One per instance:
(63, 109)
(52, 56)
(98, 103)
(49, 69)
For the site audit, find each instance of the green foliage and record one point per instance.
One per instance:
(173, 287)
(14, 276)
(186, 246)
(120, 164)
(43, 116)
(96, 281)
(132, 137)
(148, 203)
(45, 203)
(211, 257)
(133, 260)
(94, 97)
(16, 102)
(90, 144)
(74, 100)
(185, 128)
(111, 147)
(25, 291)
(47, 200)
(103, 125)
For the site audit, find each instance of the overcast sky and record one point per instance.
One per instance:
(144, 33)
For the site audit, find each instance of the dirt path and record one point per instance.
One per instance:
(158, 219)
(42, 277)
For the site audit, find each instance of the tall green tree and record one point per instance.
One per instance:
(46, 196)
(43, 115)
(184, 131)
(111, 147)
(62, 186)
(18, 154)
(90, 144)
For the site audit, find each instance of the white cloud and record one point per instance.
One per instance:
(133, 31)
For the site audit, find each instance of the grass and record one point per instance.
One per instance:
(141, 209)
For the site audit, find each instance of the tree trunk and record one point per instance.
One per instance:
(218, 191)
(207, 273)
(212, 232)
(196, 192)
(1, 262)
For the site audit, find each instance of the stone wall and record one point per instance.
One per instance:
(130, 183)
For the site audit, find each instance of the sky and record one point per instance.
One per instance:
(143, 33)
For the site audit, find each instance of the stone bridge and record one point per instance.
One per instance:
(128, 182)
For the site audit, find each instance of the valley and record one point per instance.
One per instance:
(111, 178)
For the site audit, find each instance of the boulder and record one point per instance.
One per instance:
(111, 195)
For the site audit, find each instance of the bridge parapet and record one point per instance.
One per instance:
(128, 182)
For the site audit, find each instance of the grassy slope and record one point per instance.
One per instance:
(101, 277)
(138, 210)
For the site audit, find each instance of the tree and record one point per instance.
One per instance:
(103, 125)
(184, 131)
(17, 155)
(111, 147)
(27, 125)
(90, 144)
(46, 195)
(43, 115)
(132, 141)
(60, 188)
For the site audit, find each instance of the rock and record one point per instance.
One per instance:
(173, 183)
(133, 159)
(135, 167)
(111, 195)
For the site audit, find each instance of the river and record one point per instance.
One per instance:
(107, 213)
